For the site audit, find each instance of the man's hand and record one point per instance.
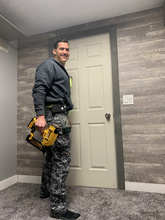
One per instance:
(40, 124)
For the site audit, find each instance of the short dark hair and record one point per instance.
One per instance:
(61, 39)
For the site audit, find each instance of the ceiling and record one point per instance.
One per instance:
(20, 18)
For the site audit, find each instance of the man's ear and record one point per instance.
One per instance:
(54, 52)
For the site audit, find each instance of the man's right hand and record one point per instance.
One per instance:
(40, 124)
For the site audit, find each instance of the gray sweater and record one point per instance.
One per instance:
(52, 86)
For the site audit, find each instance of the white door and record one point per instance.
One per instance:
(92, 137)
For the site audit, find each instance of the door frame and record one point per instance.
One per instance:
(79, 32)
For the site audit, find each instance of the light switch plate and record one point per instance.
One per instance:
(128, 100)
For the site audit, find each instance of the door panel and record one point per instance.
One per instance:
(92, 137)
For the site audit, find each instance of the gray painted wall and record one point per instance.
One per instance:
(8, 115)
(141, 46)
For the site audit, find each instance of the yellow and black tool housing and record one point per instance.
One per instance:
(49, 136)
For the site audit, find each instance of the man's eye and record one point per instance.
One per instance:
(61, 49)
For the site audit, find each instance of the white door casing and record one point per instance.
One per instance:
(92, 137)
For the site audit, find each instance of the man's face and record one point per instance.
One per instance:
(62, 52)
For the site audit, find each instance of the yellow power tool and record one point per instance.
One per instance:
(49, 136)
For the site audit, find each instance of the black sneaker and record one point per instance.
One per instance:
(68, 215)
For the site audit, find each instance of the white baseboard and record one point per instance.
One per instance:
(29, 179)
(130, 186)
(145, 187)
(8, 182)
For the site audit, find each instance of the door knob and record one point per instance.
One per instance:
(107, 116)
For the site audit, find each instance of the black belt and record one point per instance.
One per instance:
(58, 108)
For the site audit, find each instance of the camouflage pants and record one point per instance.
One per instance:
(56, 166)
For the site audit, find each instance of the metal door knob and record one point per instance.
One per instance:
(107, 116)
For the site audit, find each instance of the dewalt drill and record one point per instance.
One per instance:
(49, 136)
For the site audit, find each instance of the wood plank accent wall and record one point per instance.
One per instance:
(164, 11)
(141, 54)
(141, 45)
(31, 52)
(3, 45)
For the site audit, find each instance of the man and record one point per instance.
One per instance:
(51, 94)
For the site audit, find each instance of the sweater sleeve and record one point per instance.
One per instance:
(43, 81)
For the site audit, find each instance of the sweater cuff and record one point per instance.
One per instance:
(40, 112)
